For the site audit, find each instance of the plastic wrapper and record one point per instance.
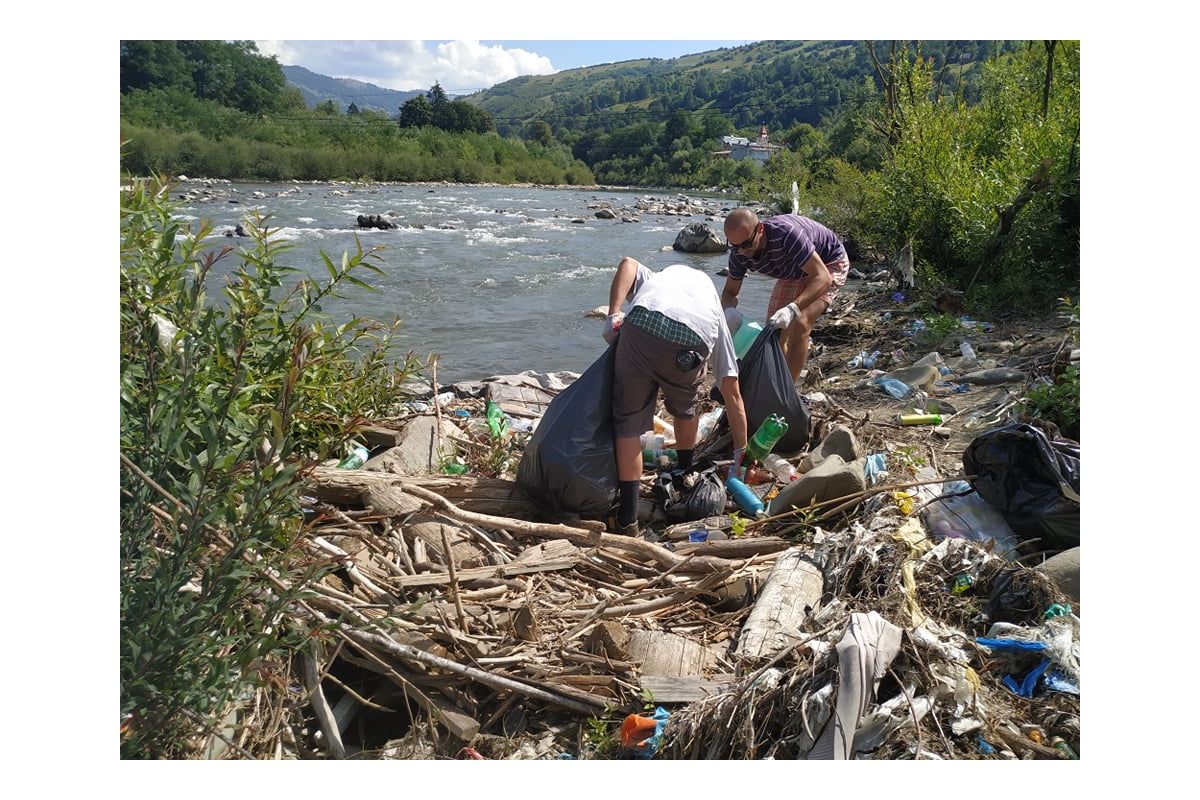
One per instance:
(968, 516)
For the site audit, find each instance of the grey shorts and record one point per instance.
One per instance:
(644, 364)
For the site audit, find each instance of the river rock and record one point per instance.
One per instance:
(833, 478)
(1063, 569)
(605, 213)
(374, 221)
(918, 376)
(992, 377)
(699, 238)
(839, 441)
(418, 453)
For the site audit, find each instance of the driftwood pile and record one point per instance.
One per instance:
(456, 620)
(455, 629)
(480, 613)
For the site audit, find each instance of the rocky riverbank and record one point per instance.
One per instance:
(514, 633)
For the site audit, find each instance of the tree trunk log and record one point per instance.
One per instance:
(792, 591)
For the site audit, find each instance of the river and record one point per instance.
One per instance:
(493, 279)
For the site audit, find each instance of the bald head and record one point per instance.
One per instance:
(740, 224)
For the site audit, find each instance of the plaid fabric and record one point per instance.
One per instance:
(662, 326)
(785, 291)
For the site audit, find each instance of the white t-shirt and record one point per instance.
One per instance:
(689, 296)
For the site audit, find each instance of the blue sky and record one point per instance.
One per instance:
(463, 66)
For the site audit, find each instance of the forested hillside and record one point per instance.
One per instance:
(223, 110)
(968, 150)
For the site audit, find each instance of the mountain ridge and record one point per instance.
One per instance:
(317, 88)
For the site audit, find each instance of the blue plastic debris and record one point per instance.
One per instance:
(874, 467)
(1056, 681)
(1010, 645)
(986, 747)
(1029, 682)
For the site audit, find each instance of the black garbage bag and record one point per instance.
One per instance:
(767, 388)
(569, 464)
(1032, 480)
(706, 497)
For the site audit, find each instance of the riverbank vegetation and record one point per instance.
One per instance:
(224, 402)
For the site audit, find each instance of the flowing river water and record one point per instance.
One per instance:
(493, 279)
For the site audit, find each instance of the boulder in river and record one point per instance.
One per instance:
(699, 238)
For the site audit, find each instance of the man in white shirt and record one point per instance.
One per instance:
(674, 323)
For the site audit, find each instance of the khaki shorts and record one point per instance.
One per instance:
(644, 364)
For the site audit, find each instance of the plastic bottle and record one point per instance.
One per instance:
(897, 389)
(920, 419)
(652, 446)
(358, 456)
(967, 351)
(497, 425)
(746, 500)
(766, 437)
(780, 468)
(745, 337)
(708, 423)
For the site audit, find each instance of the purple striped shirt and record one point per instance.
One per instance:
(791, 240)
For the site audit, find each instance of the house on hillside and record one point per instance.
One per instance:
(739, 147)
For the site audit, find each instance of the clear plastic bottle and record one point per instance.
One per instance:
(766, 437)
(967, 351)
(780, 468)
(708, 423)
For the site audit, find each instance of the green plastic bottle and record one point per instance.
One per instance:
(497, 425)
(766, 437)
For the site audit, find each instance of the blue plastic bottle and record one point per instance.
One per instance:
(746, 499)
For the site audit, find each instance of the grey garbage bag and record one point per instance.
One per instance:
(1032, 480)
(767, 388)
(569, 464)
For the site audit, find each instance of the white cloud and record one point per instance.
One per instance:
(459, 66)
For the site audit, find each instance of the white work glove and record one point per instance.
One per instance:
(611, 326)
(784, 316)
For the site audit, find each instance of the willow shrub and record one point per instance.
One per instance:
(956, 166)
(224, 401)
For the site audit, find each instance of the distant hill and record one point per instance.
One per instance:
(344, 91)
(778, 83)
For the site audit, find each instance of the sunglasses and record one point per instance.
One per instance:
(749, 242)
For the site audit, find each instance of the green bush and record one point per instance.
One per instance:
(1057, 402)
(223, 402)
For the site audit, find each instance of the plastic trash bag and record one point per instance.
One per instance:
(966, 515)
(767, 388)
(1031, 480)
(707, 497)
(570, 464)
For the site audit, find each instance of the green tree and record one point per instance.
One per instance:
(539, 131)
(154, 65)
(416, 113)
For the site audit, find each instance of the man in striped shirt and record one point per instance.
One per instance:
(808, 262)
(675, 323)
